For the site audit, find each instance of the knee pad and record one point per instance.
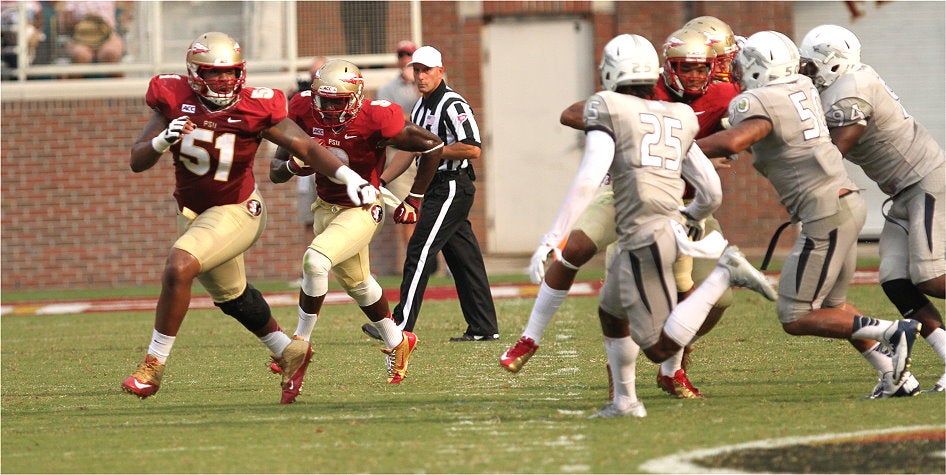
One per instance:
(315, 268)
(366, 293)
(905, 296)
(250, 309)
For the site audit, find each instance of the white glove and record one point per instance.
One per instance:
(359, 190)
(537, 265)
(170, 136)
(696, 228)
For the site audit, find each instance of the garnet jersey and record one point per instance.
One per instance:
(213, 165)
(710, 109)
(357, 144)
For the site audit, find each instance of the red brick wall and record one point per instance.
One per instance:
(74, 215)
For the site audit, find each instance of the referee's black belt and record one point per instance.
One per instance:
(447, 175)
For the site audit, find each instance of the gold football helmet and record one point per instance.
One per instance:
(724, 42)
(216, 51)
(337, 92)
(689, 62)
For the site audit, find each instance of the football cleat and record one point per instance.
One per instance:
(293, 363)
(939, 387)
(886, 388)
(742, 274)
(679, 385)
(634, 409)
(273, 365)
(899, 339)
(514, 358)
(398, 357)
(146, 380)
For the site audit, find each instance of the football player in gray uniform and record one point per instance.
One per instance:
(872, 129)
(779, 116)
(647, 148)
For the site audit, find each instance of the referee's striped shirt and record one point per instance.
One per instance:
(446, 114)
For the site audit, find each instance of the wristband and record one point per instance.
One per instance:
(159, 144)
(415, 195)
(289, 166)
(439, 146)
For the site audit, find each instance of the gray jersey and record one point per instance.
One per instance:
(651, 141)
(894, 151)
(797, 156)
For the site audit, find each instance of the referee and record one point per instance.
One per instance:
(444, 223)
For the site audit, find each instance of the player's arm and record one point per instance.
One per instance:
(156, 138)
(599, 152)
(734, 140)
(846, 137)
(287, 134)
(573, 116)
(282, 167)
(412, 138)
(700, 172)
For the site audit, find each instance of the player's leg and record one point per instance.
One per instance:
(593, 231)
(912, 263)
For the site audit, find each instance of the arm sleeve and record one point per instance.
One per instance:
(699, 172)
(599, 152)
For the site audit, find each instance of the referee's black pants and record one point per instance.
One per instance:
(444, 225)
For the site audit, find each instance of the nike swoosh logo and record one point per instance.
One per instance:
(698, 112)
(349, 137)
(140, 385)
(291, 385)
(233, 121)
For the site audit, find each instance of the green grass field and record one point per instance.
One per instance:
(458, 411)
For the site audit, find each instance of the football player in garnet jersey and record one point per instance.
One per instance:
(336, 115)
(689, 62)
(212, 124)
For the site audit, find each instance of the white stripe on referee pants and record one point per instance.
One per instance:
(422, 261)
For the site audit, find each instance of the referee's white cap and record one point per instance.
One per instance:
(428, 56)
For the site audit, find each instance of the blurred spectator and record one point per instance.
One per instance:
(9, 29)
(93, 31)
(401, 89)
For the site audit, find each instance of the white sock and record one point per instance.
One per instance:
(276, 341)
(879, 358)
(306, 324)
(622, 358)
(160, 346)
(389, 331)
(546, 304)
(687, 317)
(670, 366)
(937, 340)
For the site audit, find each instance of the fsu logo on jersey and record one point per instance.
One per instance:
(377, 213)
(254, 207)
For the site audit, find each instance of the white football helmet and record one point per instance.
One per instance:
(215, 50)
(767, 57)
(828, 51)
(628, 60)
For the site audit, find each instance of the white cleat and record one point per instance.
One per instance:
(634, 409)
(743, 274)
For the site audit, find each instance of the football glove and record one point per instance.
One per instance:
(170, 136)
(537, 264)
(408, 210)
(359, 190)
(696, 228)
(298, 167)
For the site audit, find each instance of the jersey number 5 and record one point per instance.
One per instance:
(197, 158)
